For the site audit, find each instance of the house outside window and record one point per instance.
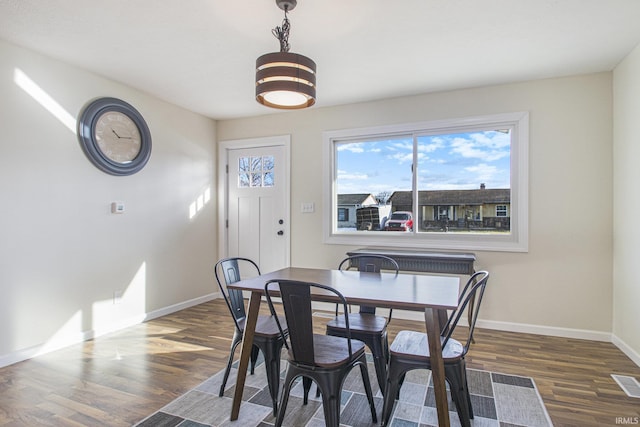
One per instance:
(463, 180)
(348, 207)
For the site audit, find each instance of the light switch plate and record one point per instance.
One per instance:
(308, 207)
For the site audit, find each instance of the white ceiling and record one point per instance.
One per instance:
(200, 54)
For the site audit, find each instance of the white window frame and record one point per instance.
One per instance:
(502, 211)
(515, 241)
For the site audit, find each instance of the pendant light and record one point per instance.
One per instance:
(285, 80)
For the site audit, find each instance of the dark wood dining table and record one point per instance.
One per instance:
(432, 294)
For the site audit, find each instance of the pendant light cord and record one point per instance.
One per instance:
(282, 33)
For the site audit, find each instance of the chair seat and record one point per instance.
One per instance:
(266, 326)
(331, 352)
(361, 322)
(414, 345)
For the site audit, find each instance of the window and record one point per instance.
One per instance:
(343, 214)
(461, 183)
(255, 171)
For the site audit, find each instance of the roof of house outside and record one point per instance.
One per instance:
(453, 197)
(354, 199)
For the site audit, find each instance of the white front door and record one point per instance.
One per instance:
(257, 202)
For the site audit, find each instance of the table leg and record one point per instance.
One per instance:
(245, 353)
(437, 365)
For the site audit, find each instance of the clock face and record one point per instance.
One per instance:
(117, 136)
(114, 136)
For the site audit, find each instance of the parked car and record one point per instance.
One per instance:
(400, 221)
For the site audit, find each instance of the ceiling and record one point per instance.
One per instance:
(200, 54)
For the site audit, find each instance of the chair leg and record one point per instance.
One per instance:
(391, 392)
(466, 387)
(254, 357)
(306, 386)
(367, 388)
(236, 340)
(380, 361)
(400, 382)
(284, 397)
(271, 351)
(456, 377)
(330, 386)
(385, 341)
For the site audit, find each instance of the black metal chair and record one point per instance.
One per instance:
(410, 350)
(366, 326)
(267, 338)
(324, 359)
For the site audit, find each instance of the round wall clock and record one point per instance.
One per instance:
(114, 136)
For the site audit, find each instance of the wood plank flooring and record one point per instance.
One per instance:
(119, 379)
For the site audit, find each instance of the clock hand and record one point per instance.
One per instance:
(115, 133)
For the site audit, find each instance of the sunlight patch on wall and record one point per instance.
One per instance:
(134, 296)
(199, 203)
(124, 307)
(43, 98)
(69, 333)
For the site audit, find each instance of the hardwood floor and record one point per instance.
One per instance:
(119, 379)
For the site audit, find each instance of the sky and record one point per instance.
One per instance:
(456, 161)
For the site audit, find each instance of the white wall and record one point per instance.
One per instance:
(563, 285)
(62, 253)
(626, 176)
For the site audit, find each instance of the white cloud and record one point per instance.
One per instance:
(355, 147)
(479, 147)
(356, 176)
(402, 157)
(483, 171)
(436, 143)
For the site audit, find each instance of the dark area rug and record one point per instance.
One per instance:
(497, 400)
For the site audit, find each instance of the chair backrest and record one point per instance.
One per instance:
(229, 269)
(370, 263)
(471, 295)
(296, 301)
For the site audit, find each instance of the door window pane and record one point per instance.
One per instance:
(256, 171)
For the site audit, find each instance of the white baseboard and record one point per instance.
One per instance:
(44, 348)
(34, 351)
(541, 330)
(181, 306)
(500, 326)
(553, 331)
(520, 327)
(624, 347)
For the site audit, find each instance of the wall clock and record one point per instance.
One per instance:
(114, 136)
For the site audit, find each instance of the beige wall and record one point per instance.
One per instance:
(62, 253)
(563, 285)
(626, 176)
